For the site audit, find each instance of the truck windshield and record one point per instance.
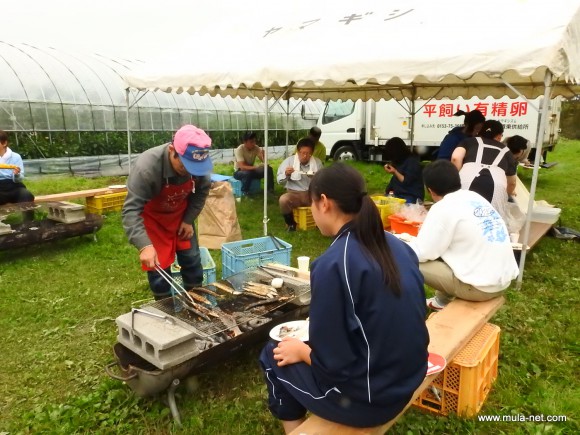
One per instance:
(336, 110)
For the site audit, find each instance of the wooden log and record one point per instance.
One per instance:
(32, 233)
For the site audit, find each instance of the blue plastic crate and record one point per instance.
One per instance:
(255, 186)
(209, 273)
(245, 254)
(236, 187)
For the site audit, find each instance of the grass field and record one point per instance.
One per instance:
(59, 301)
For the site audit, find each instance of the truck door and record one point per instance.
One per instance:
(340, 124)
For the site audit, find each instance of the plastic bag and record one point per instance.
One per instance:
(413, 212)
(515, 218)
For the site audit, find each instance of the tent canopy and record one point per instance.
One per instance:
(376, 49)
(373, 49)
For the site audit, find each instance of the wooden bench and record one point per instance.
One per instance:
(449, 331)
(78, 194)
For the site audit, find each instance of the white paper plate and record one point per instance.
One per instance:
(118, 186)
(299, 327)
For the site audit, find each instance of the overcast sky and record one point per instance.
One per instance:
(142, 29)
(127, 28)
(138, 29)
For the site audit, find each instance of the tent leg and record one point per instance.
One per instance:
(267, 109)
(539, 140)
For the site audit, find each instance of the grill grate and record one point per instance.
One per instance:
(233, 310)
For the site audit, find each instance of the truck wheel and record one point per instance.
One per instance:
(345, 152)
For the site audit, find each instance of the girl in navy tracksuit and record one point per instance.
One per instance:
(367, 349)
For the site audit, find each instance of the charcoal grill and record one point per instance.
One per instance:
(162, 342)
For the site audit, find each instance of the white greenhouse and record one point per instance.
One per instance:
(55, 103)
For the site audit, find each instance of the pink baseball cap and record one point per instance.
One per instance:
(193, 145)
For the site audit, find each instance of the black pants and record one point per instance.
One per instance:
(11, 192)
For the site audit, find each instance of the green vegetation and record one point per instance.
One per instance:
(57, 329)
(37, 145)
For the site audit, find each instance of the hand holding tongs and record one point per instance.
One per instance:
(181, 293)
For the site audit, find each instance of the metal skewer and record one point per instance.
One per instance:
(174, 284)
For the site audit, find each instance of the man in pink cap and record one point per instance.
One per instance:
(166, 191)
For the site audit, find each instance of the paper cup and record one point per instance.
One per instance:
(303, 263)
(514, 237)
(295, 176)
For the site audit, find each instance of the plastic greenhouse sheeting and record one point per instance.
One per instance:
(46, 89)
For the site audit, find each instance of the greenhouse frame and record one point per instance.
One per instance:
(55, 103)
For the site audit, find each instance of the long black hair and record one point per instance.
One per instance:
(471, 119)
(346, 187)
(491, 128)
(396, 150)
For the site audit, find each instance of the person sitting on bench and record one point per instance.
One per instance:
(367, 348)
(245, 168)
(12, 190)
(295, 173)
(463, 246)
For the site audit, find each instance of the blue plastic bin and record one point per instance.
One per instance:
(236, 187)
(246, 254)
(209, 273)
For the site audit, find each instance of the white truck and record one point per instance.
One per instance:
(358, 130)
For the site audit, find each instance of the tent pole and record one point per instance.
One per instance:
(539, 143)
(128, 129)
(287, 125)
(266, 109)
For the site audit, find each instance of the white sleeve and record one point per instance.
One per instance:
(281, 176)
(433, 239)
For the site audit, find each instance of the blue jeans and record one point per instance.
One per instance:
(191, 272)
(246, 178)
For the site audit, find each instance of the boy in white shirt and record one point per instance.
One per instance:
(463, 246)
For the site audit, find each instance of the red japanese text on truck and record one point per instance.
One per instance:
(358, 130)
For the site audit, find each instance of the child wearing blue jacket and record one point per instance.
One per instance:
(367, 349)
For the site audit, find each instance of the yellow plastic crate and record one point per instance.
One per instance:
(465, 383)
(303, 218)
(100, 204)
(387, 206)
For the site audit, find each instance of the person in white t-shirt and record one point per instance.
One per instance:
(463, 246)
(295, 174)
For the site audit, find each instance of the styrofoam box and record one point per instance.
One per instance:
(546, 215)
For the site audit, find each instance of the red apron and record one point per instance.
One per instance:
(162, 217)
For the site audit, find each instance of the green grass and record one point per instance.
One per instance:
(59, 301)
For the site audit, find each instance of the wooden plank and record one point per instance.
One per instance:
(537, 231)
(449, 331)
(78, 194)
(299, 273)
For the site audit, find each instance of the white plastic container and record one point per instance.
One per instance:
(546, 215)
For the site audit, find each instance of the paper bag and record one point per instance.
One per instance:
(218, 221)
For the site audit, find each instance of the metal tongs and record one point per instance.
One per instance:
(181, 293)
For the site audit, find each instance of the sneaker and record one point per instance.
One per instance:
(291, 228)
(434, 304)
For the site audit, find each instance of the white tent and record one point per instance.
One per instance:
(377, 49)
